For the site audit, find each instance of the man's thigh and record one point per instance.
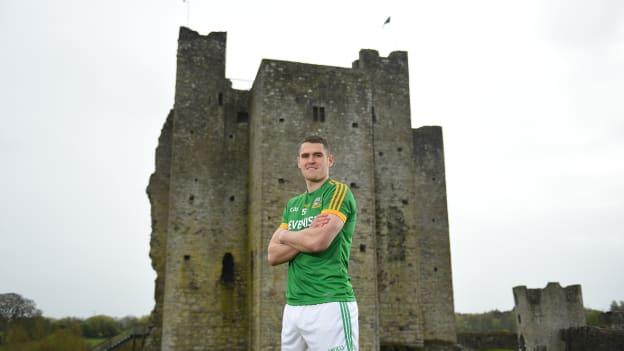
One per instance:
(292, 340)
(330, 326)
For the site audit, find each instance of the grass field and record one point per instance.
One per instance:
(93, 342)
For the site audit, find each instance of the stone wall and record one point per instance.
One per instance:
(541, 313)
(612, 319)
(158, 193)
(205, 281)
(592, 339)
(284, 97)
(484, 341)
(400, 315)
(431, 214)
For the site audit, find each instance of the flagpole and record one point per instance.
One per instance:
(188, 13)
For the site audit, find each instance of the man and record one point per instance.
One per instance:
(315, 237)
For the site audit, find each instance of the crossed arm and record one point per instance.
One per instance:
(285, 245)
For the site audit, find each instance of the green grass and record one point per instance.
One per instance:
(94, 341)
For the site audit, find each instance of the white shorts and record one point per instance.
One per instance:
(331, 326)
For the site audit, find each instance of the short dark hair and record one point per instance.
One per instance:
(315, 139)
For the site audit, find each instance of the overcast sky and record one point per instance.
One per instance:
(529, 95)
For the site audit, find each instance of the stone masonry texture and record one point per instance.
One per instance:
(542, 313)
(225, 167)
(592, 339)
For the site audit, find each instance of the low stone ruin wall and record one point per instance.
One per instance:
(593, 339)
(483, 341)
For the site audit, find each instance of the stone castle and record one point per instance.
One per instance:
(225, 167)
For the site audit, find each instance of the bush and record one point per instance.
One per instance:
(63, 340)
(100, 327)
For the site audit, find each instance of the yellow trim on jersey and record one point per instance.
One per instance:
(284, 226)
(335, 195)
(344, 193)
(337, 213)
(338, 197)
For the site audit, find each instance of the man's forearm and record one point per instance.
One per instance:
(307, 240)
(279, 253)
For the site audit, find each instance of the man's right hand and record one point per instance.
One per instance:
(320, 221)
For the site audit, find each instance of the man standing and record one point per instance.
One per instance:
(315, 237)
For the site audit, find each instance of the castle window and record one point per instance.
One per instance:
(373, 114)
(242, 117)
(318, 114)
(220, 98)
(227, 269)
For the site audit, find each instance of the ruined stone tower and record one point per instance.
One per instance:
(542, 313)
(225, 166)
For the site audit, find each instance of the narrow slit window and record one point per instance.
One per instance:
(227, 268)
(318, 114)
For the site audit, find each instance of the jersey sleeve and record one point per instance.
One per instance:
(284, 224)
(339, 202)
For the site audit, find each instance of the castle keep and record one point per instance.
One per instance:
(225, 166)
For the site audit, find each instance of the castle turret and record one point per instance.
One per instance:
(205, 282)
(542, 313)
(432, 227)
(400, 313)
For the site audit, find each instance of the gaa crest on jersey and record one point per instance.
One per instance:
(316, 203)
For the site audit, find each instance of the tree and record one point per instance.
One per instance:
(13, 306)
(592, 317)
(16, 334)
(615, 306)
(100, 327)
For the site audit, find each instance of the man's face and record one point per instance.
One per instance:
(314, 162)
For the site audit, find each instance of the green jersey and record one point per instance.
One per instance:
(320, 277)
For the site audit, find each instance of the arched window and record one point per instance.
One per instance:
(227, 268)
